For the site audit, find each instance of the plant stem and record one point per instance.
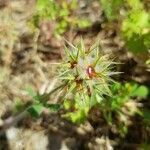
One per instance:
(11, 121)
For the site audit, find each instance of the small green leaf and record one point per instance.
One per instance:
(53, 107)
(44, 97)
(19, 105)
(111, 8)
(77, 117)
(67, 104)
(30, 91)
(84, 23)
(63, 13)
(146, 115)
(141, 91)
(35, 110)
(41, 4)
(136, 43)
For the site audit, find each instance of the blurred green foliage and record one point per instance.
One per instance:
(122, 93)
(88, 89)
(111, 8)
(87, 83)
(59, 12)
(136, 27)
(110, 105)
(135, 20)
(123, 104)
(38, 104)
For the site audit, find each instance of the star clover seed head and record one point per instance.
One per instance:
(87, 72)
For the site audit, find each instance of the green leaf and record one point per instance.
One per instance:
(123, 129)
(19, 105)
(146, 115)
(77, 117)
(53, 107)
(41, 4)
(84, 23)
(67, 104)
(44, 97)
(31, 92)
(111, 8)
(135, 30)
(35, 110)
(141, 91)
(137, 44)
(64, 12)
(135, 4)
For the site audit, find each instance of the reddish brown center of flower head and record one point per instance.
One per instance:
(90, 72)
(73, 64)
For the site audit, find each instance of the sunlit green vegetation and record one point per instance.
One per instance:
(90, 78)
